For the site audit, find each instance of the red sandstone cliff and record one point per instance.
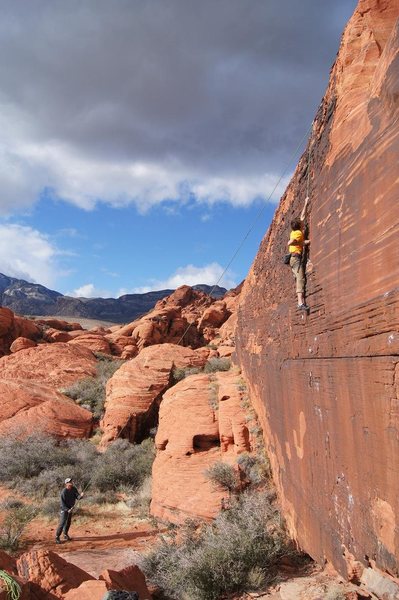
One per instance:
(326, 386)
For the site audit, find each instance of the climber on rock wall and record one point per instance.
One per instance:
(296, 246)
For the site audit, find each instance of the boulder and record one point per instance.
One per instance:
(58, 364)
(55, 335)
(21, 343)
(201, 422)
(130, 579)
(88, 590)
(96, 342)
(28, 407)
(134, 392)
(26, 328)
(214, 316)
(51, 573)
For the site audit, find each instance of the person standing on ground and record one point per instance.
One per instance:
(68, 498)
(296, 247)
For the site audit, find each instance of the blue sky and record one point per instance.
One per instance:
(141, 140)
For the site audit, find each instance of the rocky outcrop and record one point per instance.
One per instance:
(13, 327)
(134, 392)
(201, 422)
(27, 407)
(94, 341)
(21, 343)
(58, 365)
(49, 572)
(326, 385)
(129, 579)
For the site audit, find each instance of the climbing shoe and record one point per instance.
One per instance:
(304, 307)
(58, 541)
(67, 538)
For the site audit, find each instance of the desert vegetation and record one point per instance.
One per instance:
(37, 466)
(211, 366)
(90, 391)
(239, 551)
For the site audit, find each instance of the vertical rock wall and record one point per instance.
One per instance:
(326, 385)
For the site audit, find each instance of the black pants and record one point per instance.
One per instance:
(65, 523)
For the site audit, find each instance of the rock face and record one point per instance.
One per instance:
(51, 573)
(326, 385)
(134, 392)
(27, 407)
(58, 364)
(201, 422)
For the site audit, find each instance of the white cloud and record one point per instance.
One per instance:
(211, 274)
(28, 166)
(89, 290)
(25, 253)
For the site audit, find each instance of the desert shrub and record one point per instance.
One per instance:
(25, 458)
(255, 466)
(51, 507)
(90, 391)
(238, 552)
(217, 364)
(13, 525)
(96, 498)
(180, 373)
(222, 475)
(38, 465)
(124, 464)
(140, 500)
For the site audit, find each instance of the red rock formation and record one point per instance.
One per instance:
(21, 343)
(94, 341)
(326, 386)
(27, 407)
(201, 422)
(134, 391)
(88, 590)
(51, 573)
(55, 335)
(58, 364)
(13, 327)
(129, 579)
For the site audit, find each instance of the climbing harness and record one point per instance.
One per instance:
(12, 587)
(257, 217)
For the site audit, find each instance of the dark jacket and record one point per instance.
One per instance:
(68, 498)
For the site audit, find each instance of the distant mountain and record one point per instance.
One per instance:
(34, 299)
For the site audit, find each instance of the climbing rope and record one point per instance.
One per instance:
(259, 214)
(12, 587)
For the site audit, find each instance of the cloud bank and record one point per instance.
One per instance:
(124, 101)
(25, 253)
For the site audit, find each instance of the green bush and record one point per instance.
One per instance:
(222, 475)
(13, 525)
(255, 466)
(38, 465)
(180, 373)
(124, 464)
(217, 364)
(238, 552)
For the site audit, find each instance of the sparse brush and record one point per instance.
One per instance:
(90, 391)
(13, 525)
(223, 476)
(180, 373)
(217, 364)
(238, 552)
